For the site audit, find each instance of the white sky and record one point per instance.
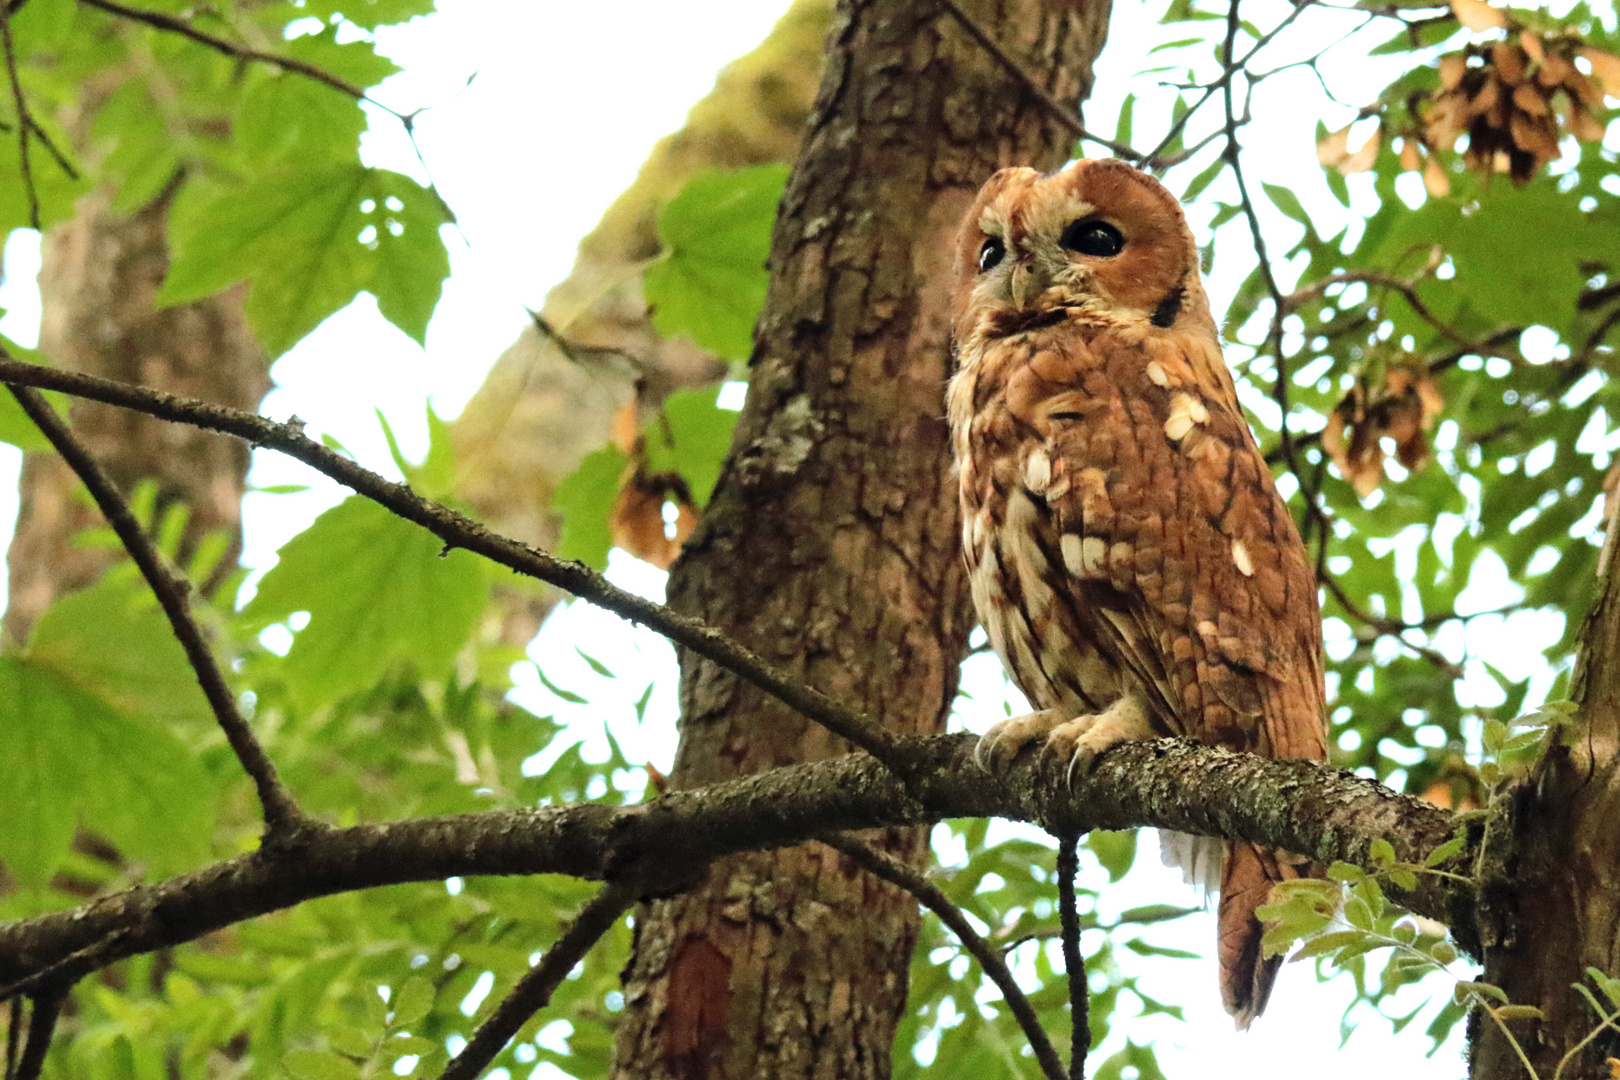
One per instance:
(566, 101)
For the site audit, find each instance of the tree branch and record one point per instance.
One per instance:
(1074, 961)
(533, 992)
(41, 1026)
(459, 531)
(1300, 806)
(991, 962)
(282, 818)
(169, 23)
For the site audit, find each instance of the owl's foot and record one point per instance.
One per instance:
(1077, 739)
(1005, 739)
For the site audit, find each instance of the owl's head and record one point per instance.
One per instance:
(1098, 242)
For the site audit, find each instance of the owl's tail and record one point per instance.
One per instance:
(1247, 873)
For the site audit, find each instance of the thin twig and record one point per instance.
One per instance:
(41, 1026)
(281, 814)
(180, 26)
(1228, 70)
(14, 1037)
(1074, 962)
(991, 960)
(24, 121)
(534, 990)
(457, 530)
(1069, 118)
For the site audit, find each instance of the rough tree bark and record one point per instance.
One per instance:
(1550, 891)
(99, 276)
(831, 541)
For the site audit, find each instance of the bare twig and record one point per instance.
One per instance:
(47, 1006)
(174, 25)
(1074, 962)
(991, 960)
(14, 1037)
(282, 818)
(1407, 288)
(24, 120)
(1224, 83)
(1068, 117)
(457, 530)
(533, 992)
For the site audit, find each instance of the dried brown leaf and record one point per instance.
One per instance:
(625, 428)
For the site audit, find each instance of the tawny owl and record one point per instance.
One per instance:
(1130, 557)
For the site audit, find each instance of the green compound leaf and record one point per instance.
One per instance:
(113, 640)
(378, 594)
(584, 498)
(710, 283)
(71, 759)
(310, 241)
(695, 440)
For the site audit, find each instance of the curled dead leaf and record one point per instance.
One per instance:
(626, 428)
(637, 522)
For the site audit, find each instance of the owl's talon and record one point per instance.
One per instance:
(1007, 738)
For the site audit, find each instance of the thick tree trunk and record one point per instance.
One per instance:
(100, 274)
(1550, 899)
(831, 541)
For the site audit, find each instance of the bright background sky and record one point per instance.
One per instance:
(566, 102)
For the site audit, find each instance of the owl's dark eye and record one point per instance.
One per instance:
(991, 254)
(1092, 237)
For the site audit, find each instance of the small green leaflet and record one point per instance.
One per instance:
(15, 427)
(378, 593)
(691, 438)
(584, 498)
(310, 241)
(710, 283)
(71, 759)
(368, 14)
(695, 440)
(113, 640)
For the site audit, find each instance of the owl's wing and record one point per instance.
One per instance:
(1184, 566)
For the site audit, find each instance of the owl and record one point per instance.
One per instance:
(1130, 558)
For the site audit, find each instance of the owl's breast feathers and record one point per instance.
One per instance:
(1123, 533)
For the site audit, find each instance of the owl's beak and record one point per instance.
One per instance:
(1027, 282)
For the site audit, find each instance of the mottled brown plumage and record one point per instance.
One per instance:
(1130, 557)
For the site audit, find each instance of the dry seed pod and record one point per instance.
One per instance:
(1477, 15)
(1605, 68)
